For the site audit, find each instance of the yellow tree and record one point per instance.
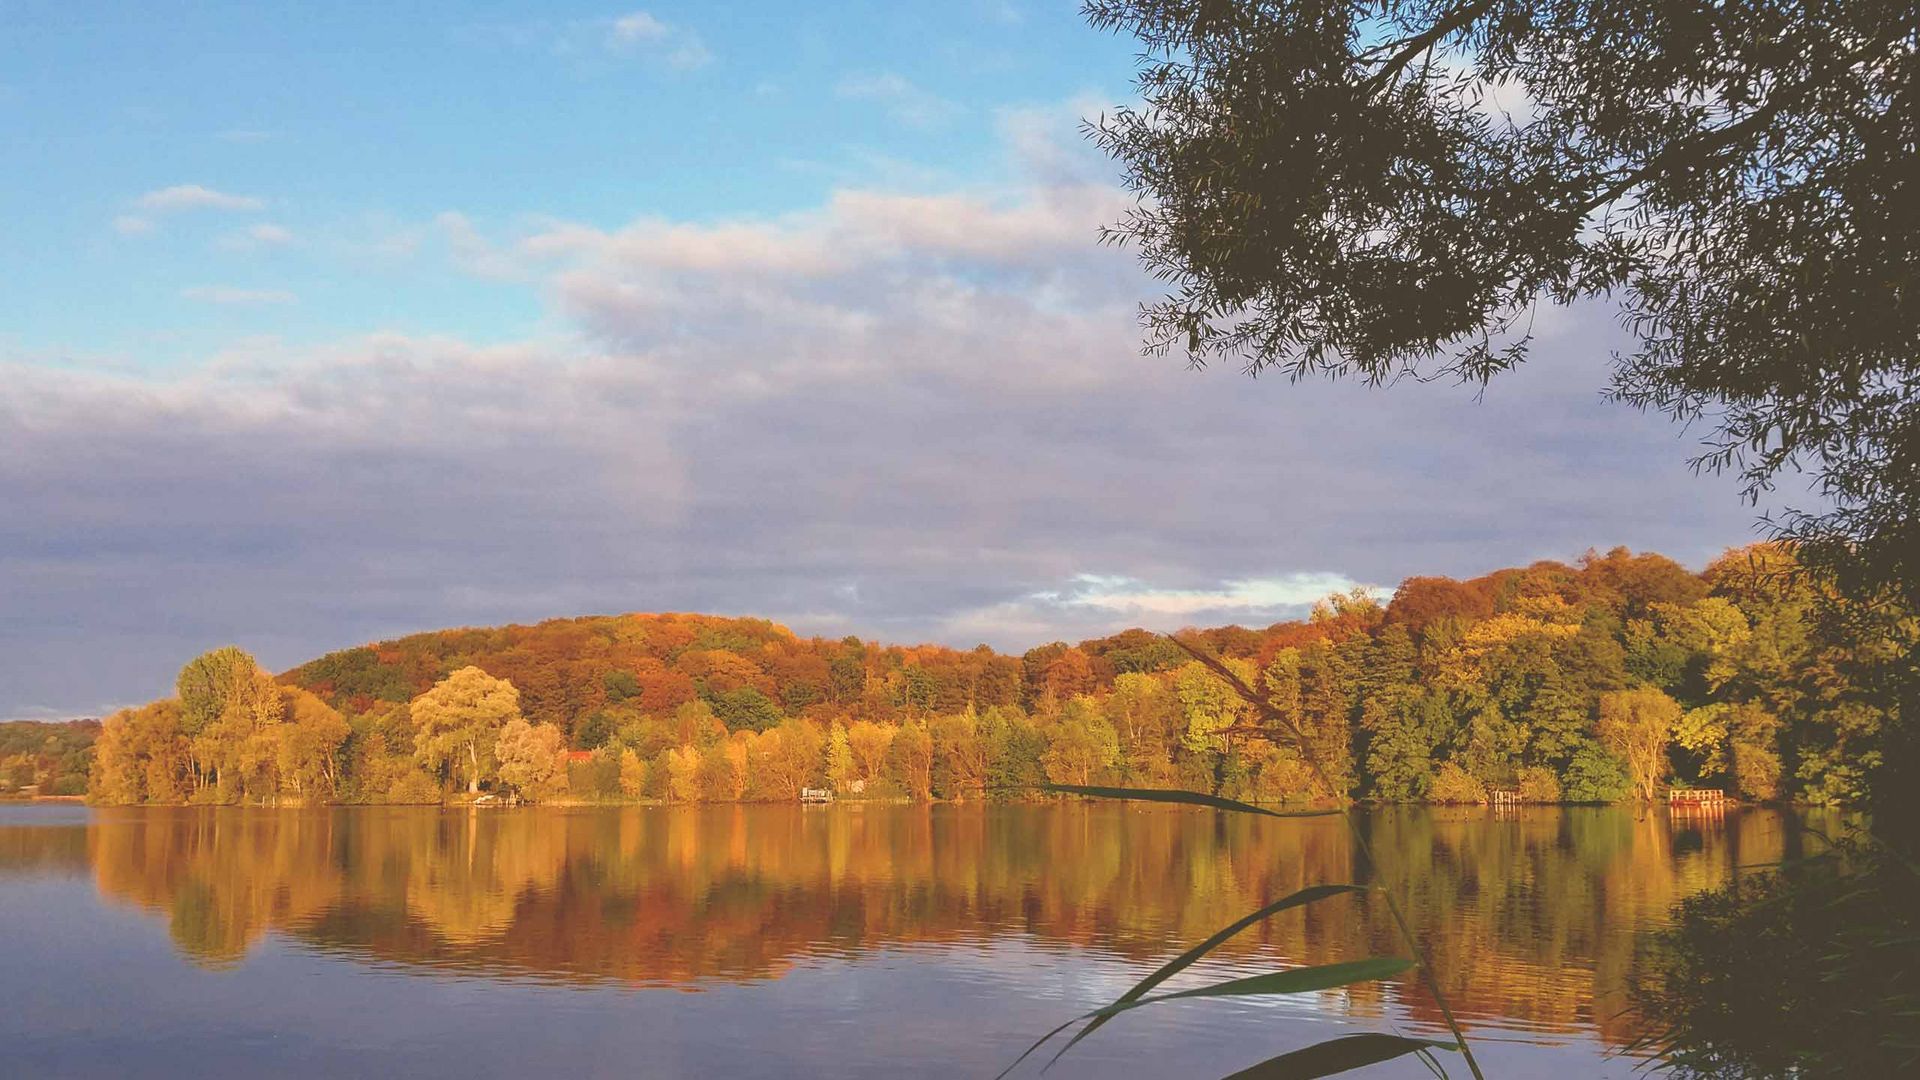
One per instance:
(209, 686)
(841, 770)
(957, 746)
(532, 757)
(723, 768)
(1082, 745)
(141, 756)
(912, 754)
(1637, 725)
(869, 742)
(785, 759)
(457, 723)
(1146, 716)
(310, 737)
(633, 773)
(240, 747)
(683, 774)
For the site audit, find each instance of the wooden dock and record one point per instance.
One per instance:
(816, 795)
(1697, 801)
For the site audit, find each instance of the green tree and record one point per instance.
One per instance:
(1595, 776)
(1208, 706)
(1014, 746)
(1401, 744)
(745, 709)
(1081, 746)
(207, 683)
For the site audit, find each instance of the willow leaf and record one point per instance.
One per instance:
(1338, 1056)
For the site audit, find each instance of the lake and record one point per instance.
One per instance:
(778, 941)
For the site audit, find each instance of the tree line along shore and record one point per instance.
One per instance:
(1615, 677)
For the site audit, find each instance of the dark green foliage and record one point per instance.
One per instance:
(1557, 718)
(593, 732)
(1013, 747)
(1813, 970)
(1595, 776)
(598, 777)
(744, 709)
(620, 685)
(1136, 651)
(1400, 750)
(361, 675)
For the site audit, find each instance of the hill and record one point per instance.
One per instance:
(1609, 677)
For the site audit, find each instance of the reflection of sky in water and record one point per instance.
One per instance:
(97, 982)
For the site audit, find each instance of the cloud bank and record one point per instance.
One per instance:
(909, 415)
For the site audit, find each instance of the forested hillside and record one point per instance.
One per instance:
(46, 758)
(1604, 679)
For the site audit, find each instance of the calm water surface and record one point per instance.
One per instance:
(843, 941)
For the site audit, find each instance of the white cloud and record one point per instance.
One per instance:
(1270, 596)
(637, 26)
(255, 237)
(1505, 101)
(902, 99)
(640, 32)
(132, 225)
(1089, 605)
(195, 197)
(855, 231)
(228, 294)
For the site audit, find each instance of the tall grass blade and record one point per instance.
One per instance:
(1186, 959)
(1191, 798)
(1338, 1056)
(1292, 981)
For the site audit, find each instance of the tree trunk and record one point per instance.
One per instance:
(473, 770)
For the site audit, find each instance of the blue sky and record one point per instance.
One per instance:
(326, 324)
(341, 131)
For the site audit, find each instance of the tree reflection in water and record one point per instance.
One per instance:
(1533, 919)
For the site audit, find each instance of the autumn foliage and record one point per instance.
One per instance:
(1608, 678)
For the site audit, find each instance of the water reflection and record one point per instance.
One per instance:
(1532, 919)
